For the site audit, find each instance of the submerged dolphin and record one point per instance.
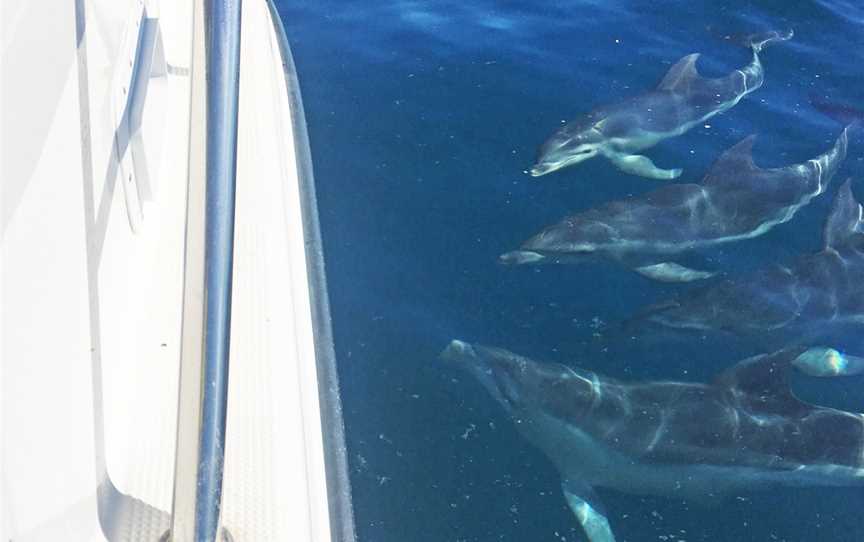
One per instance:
(682, 100)
(736, 200)
(808, 297)
(745, 431)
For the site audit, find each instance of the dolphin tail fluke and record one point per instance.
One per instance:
(763, 39)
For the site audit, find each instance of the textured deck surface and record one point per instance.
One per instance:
(99, 307)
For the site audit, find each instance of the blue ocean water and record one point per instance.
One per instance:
(423, 117)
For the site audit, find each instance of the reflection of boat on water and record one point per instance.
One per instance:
(111, 299)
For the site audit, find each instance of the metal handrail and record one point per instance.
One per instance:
(222, 26)
(203, 393)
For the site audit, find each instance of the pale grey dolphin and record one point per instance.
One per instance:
(812, 297)
(682, 100)
(745, 431)
(736, 200)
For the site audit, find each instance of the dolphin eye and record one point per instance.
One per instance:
(582, 150)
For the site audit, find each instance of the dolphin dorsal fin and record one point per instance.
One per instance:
(680, 74)
(736, 160)
(762, 382)
(845, 218)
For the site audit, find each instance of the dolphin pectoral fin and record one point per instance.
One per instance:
(636, 164)
(824, 361)
(672, 272)
(588, 510)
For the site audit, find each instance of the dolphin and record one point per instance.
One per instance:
(808, 297)
(736, 200)
(682, 100)
(745, 431)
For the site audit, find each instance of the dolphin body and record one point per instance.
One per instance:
(682, 100)
(808, 298)
(745, 431)
(736, 200)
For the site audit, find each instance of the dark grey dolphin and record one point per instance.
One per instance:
(682, 100)
(808, 297)
(745, 431)
(736, 200)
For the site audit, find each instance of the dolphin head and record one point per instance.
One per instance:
(568, 146)
(527, 389)
(575, 240)
(756, 305)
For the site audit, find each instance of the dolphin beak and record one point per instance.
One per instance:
(493, 374)
(539, 169)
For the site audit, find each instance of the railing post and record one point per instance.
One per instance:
(203, 389)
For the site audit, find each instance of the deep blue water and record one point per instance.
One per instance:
(423, 117)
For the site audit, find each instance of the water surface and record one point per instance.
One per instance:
(423, 117)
